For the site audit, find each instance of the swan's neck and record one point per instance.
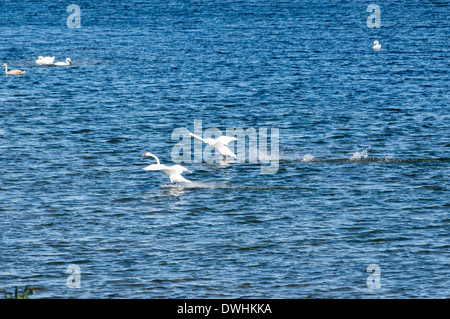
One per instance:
(198, 137)
(156, 158)
(6, 69)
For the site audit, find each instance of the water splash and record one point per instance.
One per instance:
(360, 155)
(308, 158)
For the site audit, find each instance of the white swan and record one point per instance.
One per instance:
(68, 62)
(45, 61)
(219, 144)
(376, 46)
(172, 172)
(12, 72)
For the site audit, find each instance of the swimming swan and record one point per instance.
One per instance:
(219, 144)
(172, 172)
(68, 62)
(12, 72)
(45, 61)
(376, 46)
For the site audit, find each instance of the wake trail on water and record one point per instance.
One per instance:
(356, 157)
(201, 185)
(359, 157)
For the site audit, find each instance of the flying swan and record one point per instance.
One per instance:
(376, 46)
(12, 72)
(68, 62)
(172, 172)
(45, 61)
(219, 144)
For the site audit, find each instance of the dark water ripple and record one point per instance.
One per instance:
(72, 188)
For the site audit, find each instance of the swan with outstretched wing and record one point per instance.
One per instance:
(172, 172)
(219, 144)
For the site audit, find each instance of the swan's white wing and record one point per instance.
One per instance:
(224, 150)
(155, 167)
(210, 141)
(179, 169)
(225, 139)
(177, 178)
(46, 60)
(174, 173)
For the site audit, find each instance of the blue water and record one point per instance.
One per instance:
(72, 188)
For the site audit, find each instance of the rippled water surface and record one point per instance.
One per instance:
(363, 171)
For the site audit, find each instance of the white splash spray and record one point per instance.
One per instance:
(308, 158)
(360, 155)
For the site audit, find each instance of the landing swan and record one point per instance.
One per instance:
(172, 172)
(219, 144)
(45, 61)
(12, 72)
(68, 62)
(376, 46)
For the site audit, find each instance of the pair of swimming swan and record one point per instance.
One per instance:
(51, 61)
(40, 61)
(174, 172)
